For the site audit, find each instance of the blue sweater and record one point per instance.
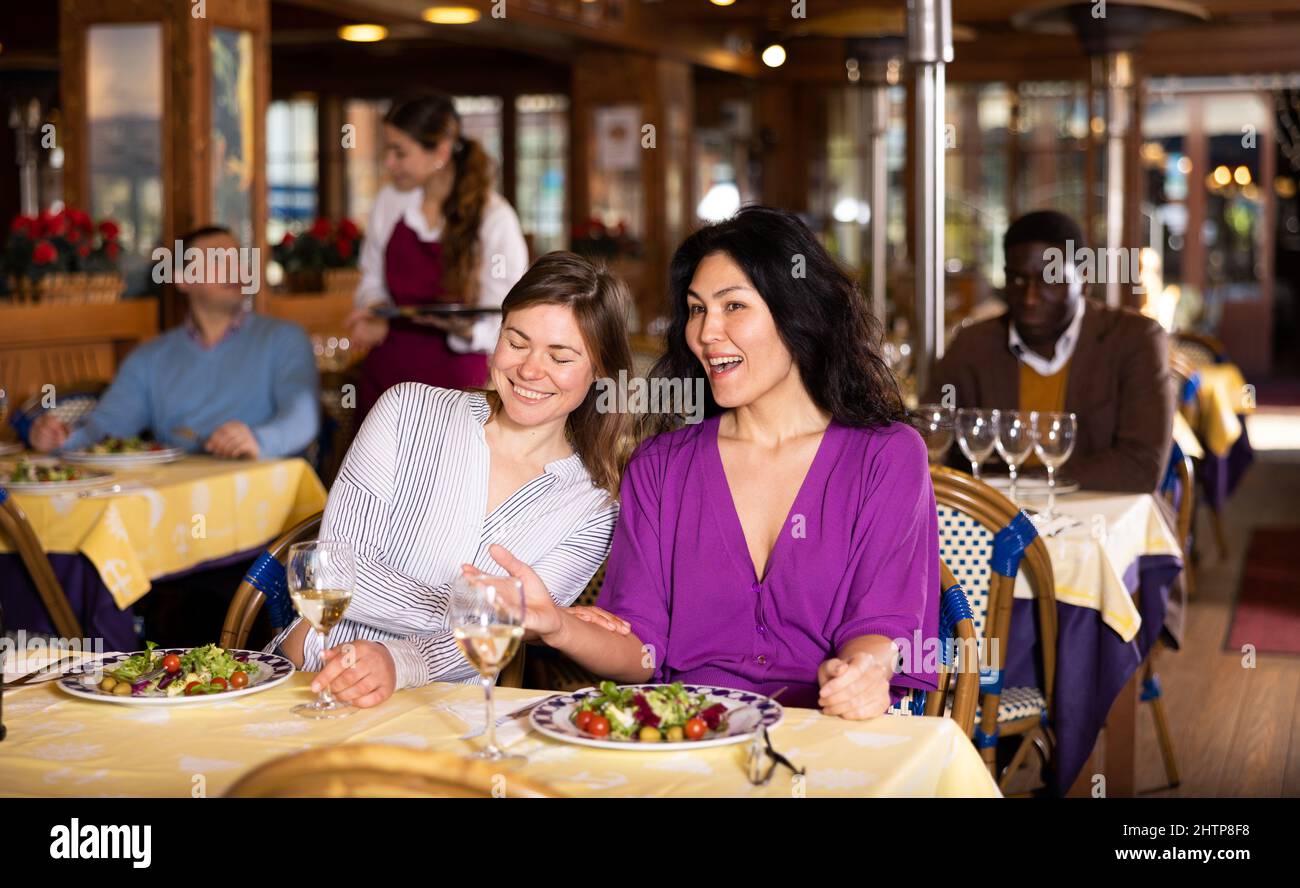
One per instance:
(263, 374)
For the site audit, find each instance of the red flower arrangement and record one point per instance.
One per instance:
(323, 245)
(66, 241)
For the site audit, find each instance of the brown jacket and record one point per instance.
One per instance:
(1118, 386)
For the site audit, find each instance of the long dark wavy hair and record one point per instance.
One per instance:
(820, 315)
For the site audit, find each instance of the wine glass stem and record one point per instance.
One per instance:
(491, 729)
(326, 698)
(1051, 491)
(1011, 467)
(975, 469)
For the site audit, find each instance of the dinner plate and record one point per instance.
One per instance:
(88, 481)
(1033, 485)
(273, 670)
(123, 460)
(746, 713)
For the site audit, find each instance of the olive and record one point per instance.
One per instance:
(649, 735)
(123, 689)
(676, 734)
(108, 683)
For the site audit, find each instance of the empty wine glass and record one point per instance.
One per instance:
(977, 433)
(934, 422)
(1053, 442)
(1015, 441)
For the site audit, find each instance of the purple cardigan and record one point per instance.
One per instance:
(860, 556)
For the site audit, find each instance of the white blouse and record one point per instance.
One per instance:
(502, 250)
(411, 497)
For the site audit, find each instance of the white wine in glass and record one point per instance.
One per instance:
(1015, 441)
(487, 621)
(1053, 442)
(321, 577)
(977, 433)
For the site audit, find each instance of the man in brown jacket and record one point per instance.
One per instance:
(1055, 349)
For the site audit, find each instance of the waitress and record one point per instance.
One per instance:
(438, 233)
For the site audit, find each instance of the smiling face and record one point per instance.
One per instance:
(733, 334)
(409, 163)
(541, 368)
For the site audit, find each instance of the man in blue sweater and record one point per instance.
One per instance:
(227, 381)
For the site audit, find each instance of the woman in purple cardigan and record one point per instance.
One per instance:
(790, 539)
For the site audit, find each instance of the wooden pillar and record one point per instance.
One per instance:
(331, 165)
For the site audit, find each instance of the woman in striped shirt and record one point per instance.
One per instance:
(436, 477)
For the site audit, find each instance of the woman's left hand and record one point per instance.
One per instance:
(856, 688)
(360, 672)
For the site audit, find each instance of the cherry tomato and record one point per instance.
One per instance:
(598, 726)
(189, 688)
(239, 680)
(220, 682)
(695, 729)
(583, 720)
(172, 663)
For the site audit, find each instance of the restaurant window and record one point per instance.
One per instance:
(1052, 131)
(124, 109)
(541, 157)
(233, 130)
(292, 166)
(977, 162)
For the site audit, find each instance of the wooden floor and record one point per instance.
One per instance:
(1236, 730)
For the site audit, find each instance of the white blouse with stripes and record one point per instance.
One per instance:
(411, 497)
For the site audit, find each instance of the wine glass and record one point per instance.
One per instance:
(1015, 441)
(487, 621)
(934, 422)
(977, 433)
(321, 576)
(1053, 442)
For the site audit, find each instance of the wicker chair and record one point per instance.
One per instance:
(265, 582)
(14, 524)
(985, 540)
(369, 770)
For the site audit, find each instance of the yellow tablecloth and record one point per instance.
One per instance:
(182, 514)
(1221, 398)
(61, 746)
(1089, 560)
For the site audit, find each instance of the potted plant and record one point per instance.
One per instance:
(322, 258)
(62, 257)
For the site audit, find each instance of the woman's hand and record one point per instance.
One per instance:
(856, 688)
(601, 617)
(543, 616)
(365, 329)
(360, 672)
(48, 433)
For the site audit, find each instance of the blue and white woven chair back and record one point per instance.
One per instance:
(268, 576)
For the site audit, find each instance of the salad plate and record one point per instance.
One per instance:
(656, 717)
(45, 477)
(178, 676)
(124, 453)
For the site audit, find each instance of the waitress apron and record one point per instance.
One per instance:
(413, 271)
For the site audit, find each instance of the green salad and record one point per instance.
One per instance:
(202, 670)
(27, 472)
(649, 714)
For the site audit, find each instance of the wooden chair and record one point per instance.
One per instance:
(1198, 349)
(958, 643)
(1185, 509)
(369, 770)
(14, 524)
(265, 582)
(985, 541)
